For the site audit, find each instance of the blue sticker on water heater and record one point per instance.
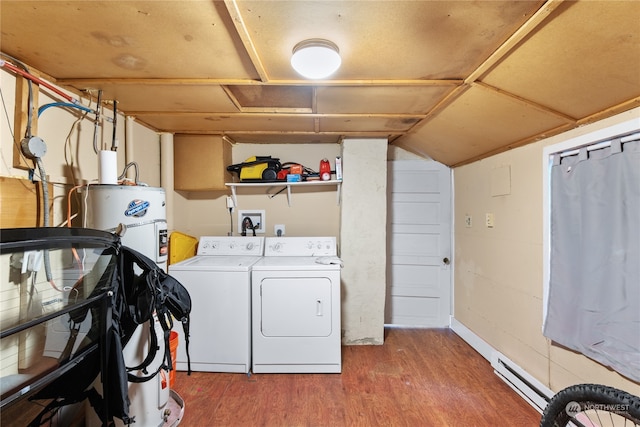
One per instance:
(137, 208)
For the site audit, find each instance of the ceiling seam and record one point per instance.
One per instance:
(522, 142)
(171, 81)
(525, 102)
(523, 31)
(243, 33)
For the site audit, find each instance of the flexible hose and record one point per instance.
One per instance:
(114, 143)
(126, 168)
(96, 123)
(44, 107)
(45, 197)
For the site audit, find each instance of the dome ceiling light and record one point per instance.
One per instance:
(316, 58)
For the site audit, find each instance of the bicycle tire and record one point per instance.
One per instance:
(589, 401)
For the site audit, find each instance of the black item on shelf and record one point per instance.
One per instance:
(257, 169)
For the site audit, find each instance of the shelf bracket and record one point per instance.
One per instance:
(234, 196)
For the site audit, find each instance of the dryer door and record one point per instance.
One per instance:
(296, 306)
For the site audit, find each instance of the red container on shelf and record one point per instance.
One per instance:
(325, 170)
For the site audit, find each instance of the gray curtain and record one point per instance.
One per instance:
(594, 290)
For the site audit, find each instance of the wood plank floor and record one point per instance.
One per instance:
(419, 377)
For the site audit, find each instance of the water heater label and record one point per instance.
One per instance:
(137, 208)
(163, 243)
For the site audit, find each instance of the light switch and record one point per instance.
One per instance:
(489, 220)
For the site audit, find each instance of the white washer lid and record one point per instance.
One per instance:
(215, 263)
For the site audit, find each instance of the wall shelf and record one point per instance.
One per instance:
(283, 185)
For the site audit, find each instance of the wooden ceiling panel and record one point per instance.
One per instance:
(273, 97)
(119, 39)
(174, 98)
(372, 123)
(207, 123)
(385, 39)
(379, 99)
(454, 80)
(284, 138)
(584, 60)
(491, 121)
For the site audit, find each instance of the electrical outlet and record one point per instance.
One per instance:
(278, 230)
(468, 222)
(230, 203)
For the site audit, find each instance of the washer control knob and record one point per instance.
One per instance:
(249, 246)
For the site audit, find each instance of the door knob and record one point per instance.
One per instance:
(446, 261)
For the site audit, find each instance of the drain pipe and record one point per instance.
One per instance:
(166, 173)
(128, 140)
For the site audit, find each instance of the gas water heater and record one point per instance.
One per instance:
(142, 212)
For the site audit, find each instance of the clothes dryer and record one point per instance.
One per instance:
(218, 279)
(296, 306)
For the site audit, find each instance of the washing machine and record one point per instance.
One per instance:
(296, 306)
(218, 279)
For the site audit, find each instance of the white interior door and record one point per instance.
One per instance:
(418, 244)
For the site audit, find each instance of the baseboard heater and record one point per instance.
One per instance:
(530, 389)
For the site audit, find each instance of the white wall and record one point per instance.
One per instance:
(498, 271)
(70, 158)
(314, 211)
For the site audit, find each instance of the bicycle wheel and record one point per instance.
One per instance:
(591, 405)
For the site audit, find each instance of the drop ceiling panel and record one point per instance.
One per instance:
(479, 121)
(583, 61)
(385, 39)
(379, 99)
(186, 123)
(175, 98)
(74, 39)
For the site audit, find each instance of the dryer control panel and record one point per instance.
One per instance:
(231, 245)
(300, 246)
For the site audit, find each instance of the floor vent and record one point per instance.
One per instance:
(532, 390)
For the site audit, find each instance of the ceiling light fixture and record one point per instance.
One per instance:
(316, 58)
